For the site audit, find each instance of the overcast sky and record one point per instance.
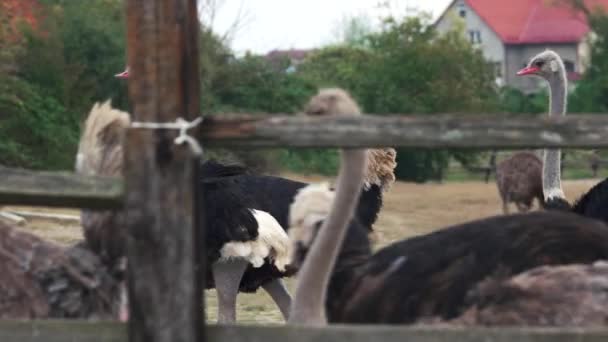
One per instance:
(284, 24)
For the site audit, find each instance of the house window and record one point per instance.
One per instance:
(569, 66)
(462, 9)
(475, 36)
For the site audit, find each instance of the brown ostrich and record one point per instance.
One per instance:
(519, 180)
(40, 279)
(559, 296)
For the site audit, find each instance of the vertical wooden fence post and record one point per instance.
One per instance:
(164, 290)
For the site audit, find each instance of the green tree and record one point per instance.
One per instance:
(60, 68)
(591, 94)
(406, 67)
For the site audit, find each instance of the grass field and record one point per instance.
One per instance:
(409, 210)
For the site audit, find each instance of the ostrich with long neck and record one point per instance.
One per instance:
(426, 276)
(273, 195)
(549, 66)
(315, 271)
(572, 295)
(234, 231)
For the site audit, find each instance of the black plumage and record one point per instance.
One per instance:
(430, 275)
(594, 203)
(274, 195)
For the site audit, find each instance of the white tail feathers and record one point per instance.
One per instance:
(310, 206)
(100, 149)
(272, 241)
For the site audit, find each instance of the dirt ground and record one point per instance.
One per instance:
(409, 210)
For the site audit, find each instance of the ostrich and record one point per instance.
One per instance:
(273, 195)
(234, 231)
(557, 296)
(549, 66)
(42, 280)
(519, 180)
(421, 277)
(572, 295)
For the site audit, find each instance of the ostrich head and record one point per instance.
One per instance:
(309, 209)
(546, 64)
(332, 101)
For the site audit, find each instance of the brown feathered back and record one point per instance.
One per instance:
(40, 279)
(558, 296)
(519, 180)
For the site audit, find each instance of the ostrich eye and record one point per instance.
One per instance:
(539, 64)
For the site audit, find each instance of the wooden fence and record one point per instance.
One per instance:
(61, 331)
(164, 286)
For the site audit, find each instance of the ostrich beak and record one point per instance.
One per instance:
(124, 74)
(528, 71)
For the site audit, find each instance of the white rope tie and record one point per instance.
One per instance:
(180, 124)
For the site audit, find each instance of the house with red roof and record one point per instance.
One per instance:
(510, 32)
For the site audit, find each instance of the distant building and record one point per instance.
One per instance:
(510, 32)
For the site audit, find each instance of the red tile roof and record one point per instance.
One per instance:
(534, 21)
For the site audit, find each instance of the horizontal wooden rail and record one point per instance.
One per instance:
(59, 189)
(21, 187)
(430, 131)
(55, 331)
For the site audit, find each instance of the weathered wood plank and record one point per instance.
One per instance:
(164, 289)
(59, 189)
(431, 131)
(55, 331)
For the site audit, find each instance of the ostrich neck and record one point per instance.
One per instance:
(552, 180)
(311, 290)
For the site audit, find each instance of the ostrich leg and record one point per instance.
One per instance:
(227, 275)
(277, 290)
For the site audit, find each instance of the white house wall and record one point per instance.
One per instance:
(491, 45)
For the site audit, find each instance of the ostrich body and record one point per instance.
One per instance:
(40, 279)
(235, 231)
(237, 202)
(430, 275)
(555, 296)
(519, 180)
(273, 195)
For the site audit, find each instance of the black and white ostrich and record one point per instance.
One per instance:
(235, 231)
(549, 66)
(426, 276)
(274, 195)
(235, 262)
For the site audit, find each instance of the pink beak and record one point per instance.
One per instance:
(124, 74)
(528, 71)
